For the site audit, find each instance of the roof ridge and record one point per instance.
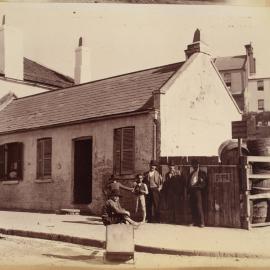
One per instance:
(99, 80)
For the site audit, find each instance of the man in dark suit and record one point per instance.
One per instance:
(172, 191)
(196, 184)
(153, 180)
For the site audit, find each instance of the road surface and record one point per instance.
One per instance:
(20, 251)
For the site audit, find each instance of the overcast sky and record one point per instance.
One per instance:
(128, 37)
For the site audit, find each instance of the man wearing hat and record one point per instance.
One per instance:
(196, 184)
(113, 213)
(172, 191)
(153, 180)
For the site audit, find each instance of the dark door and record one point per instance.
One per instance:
(83, 171)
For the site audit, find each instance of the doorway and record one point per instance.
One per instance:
(83, 171)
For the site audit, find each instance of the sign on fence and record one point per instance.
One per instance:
(223, 177)
(239, 129)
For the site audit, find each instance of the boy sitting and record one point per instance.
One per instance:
(113, 213)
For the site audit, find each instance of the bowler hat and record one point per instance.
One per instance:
(115, 192)
(153, 163)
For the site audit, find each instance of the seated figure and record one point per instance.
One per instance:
(113, 213)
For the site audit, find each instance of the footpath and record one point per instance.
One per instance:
(152, 238)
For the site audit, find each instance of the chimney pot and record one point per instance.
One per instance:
(80, 41)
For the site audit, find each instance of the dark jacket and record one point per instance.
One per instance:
(201, 183)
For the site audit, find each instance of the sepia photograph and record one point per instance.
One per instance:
(135, 134)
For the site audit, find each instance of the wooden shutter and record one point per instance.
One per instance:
(127, 164)
(47, 158)
(20, 160)
(117, 150)
(39, 159)
(2, 161)
(44, 158)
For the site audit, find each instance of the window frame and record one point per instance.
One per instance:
(11, 161)
(42, 157)
(121, 154)
(261, 108)
(260, 87)
(228, 79)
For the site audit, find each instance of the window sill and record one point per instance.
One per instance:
(10, 182)
(40, 181)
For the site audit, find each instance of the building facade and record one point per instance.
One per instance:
(59, 148)
(258, 94)
(20, 75)
(236, 71)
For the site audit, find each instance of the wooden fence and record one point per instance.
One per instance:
(221, 197)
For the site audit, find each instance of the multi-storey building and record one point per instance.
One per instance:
(236, 71)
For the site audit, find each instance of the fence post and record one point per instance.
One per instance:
(245, 192)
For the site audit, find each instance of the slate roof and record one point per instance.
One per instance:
(230, 62)
(34, 72)
(113, 96)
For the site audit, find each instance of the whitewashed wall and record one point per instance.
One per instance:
(196, 110)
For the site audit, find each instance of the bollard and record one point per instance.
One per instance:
(119, 243)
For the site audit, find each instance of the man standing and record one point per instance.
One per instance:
(173, 191)
(153, 180)
(196, 184)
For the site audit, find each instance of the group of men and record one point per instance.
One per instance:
(158, 191)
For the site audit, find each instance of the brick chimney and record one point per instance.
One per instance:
(198, 45)
(11, 51)
(82, 71)
(250, 59)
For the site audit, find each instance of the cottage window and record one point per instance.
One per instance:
(11, 161)
(260, 85)
(124, 150)
(260, 104)
(228, 79)
(44, 158)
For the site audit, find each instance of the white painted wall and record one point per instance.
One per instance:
(11, 52)
(20, 89)
(196, 110)
(253, 94)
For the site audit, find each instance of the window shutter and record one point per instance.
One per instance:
(127, 151)
(2, 161)
(20, 160)
(47, 163)
(39, 159)
(117, 150)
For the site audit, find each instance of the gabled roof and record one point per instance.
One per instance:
(34, 72)
(114, 96)
(230, 62)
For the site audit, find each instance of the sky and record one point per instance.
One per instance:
(129, 37)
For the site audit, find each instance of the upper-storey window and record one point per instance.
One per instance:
(260, 85)
(228, 79)
(260, 104)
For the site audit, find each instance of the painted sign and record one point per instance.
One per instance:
(239, 129)
(223, 177)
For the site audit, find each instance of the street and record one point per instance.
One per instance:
(20, 251)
